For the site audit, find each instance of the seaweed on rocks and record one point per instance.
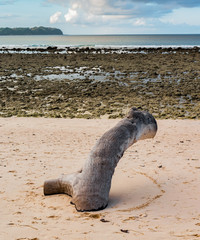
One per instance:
(85, 84)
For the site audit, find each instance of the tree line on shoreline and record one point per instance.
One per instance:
(31, 31)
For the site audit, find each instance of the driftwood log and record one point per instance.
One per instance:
(89, 187)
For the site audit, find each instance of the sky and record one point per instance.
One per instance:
(79, 17)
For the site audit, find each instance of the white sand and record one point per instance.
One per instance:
(155, 190)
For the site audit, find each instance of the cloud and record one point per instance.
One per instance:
(140, 22)
(7, 2)
(171, 3)
(188, 16)
(110, 7)
(71, 16)
(137, 11)
(55, 17)
(8, 15)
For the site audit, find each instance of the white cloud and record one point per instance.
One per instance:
(71, 16)
(139, 22)
(133, 8)
(137, 14)
(55, 17)
(187, 16)
(76, 5)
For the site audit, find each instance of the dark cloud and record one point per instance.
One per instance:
(157, 7)
(180, 3)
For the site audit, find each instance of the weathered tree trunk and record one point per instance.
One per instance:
(90, 187)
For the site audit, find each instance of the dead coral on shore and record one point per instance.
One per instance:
(85, 84)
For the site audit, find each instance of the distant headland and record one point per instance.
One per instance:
(31, 31)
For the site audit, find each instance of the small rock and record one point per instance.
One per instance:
(124, 231)
(103, 220)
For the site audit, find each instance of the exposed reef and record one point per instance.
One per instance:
(91, 83)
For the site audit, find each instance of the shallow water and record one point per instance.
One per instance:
(83, 73)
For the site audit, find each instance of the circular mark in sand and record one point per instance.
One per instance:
(133, 190)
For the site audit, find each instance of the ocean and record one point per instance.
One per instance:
(99, 41)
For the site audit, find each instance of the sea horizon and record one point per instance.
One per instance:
(102, 40)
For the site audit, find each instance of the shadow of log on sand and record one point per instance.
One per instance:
(131, 192)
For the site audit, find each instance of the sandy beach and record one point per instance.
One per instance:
(155, 189)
